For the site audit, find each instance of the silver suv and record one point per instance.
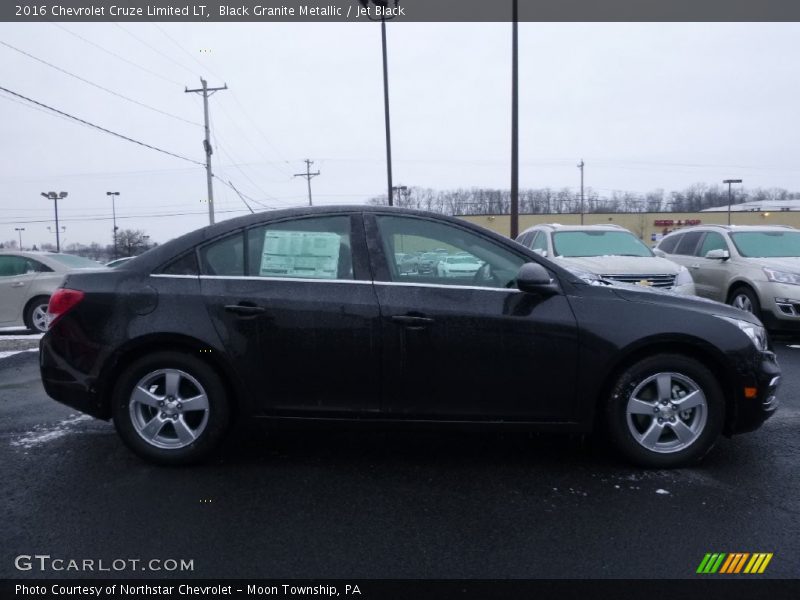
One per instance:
(755, 268)
(606, 251)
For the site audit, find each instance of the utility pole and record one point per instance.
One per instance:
(19, 230)
(729, 182)
(580, 166)
(514, 124)
(308, 175)
(207, 91)
(114, 213)
(56, 197)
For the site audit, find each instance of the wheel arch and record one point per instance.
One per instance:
(694, 348)
(737, 283)
(30, 304)
(134, 349)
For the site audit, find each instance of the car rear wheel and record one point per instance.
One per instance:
(36, 314)
(665, 411)
(745, 299)
(170, 408)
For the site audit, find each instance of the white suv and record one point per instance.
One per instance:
(755, 268)
(608, 252)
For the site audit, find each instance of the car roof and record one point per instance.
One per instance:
(731, 228)
(560, 227)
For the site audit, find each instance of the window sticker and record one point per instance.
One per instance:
(308, 254)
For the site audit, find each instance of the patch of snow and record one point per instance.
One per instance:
(662, 491)
(33, 336)
(41, 435)
(8, 353)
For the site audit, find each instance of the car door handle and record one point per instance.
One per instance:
(412, 321)
(18, 284)
(694, 266)
(245, 309)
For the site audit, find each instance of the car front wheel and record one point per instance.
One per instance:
(170, 408)
(743, 298)
(665, 411)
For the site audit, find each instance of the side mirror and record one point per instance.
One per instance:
(719, 254)
(533, 278)
(541, 252)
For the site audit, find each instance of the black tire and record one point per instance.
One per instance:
(743, 297)
(132, 417)
(699, 427)
(32, 314)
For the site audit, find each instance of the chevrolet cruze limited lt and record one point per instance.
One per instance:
(305, 314)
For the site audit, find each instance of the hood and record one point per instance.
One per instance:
(779, 263)
(620, 265)
(636, 293)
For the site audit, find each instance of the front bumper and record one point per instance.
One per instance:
(751, 412)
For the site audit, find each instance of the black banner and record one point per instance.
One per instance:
(650, 589)
(354, 11)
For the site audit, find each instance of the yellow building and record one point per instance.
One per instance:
(647, 226)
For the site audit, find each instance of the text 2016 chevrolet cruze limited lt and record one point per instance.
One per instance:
(304, 313)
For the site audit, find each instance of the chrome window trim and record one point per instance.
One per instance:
(447, 287)
(356, 281)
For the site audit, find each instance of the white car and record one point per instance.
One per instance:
(608, 252)
(27, 279)
(459, 265)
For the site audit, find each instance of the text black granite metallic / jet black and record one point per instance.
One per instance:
(306, 314)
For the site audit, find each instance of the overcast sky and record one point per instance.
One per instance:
(645, 105)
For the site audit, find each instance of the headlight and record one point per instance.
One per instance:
(782, 276)
(683, 277)
(756, 333)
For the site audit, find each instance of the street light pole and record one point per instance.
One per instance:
(19, 230)
(580, 166)
(55, 197)
(729, 182)
(514, 124)
(114, 215)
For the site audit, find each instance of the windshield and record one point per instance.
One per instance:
(598, 243)
(75, 262)
(462, 260)
(766, 244)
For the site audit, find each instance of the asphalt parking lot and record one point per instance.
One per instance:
(344, 504)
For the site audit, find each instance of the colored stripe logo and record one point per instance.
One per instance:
(734, 563)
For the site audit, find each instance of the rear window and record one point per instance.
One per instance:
(688, 243)
(75, 262)
(668, 243)
(598, 243)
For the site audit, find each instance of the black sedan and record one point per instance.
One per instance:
(304, 314)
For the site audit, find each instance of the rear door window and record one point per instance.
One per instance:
(309, 248)
(224, 257)
(688, 243)
(668, 244)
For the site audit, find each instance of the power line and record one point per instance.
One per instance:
(98, 127)
(142, 216)
(98, 86)
(156, 50)
(117, 56)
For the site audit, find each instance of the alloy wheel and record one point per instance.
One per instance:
(39, 317)
(169, 408)
(666, 412)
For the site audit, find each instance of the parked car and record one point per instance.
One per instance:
(427, 263)
(303, 314)
(754, 268)
(461, 265)
(609, 252)
(27, 279)
(117, 262)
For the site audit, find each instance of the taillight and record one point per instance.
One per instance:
(61, 302)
